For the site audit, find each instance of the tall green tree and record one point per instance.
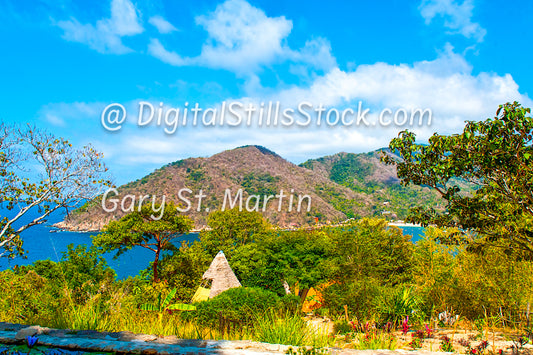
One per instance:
(370, 248)
(142, 228)
(230, 229)
(42, 173)
(296, 257)
(184, 269)
(495, 159)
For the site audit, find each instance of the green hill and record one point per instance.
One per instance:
(364, 173)
(335, 188)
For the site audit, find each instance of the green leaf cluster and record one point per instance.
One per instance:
(494, 158)
(144, 228)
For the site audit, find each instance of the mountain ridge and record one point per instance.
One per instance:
(335, 187)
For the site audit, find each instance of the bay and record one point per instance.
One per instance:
(416, 232)
(46, 242)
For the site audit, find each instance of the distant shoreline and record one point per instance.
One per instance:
(64, 227)
(404, 224)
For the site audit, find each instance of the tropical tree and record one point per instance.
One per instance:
(295, 257)
(370, 248)
(493, 159)
(230, 229)
(370, 268)
(184, 269)
(42, 173)
(141, 228)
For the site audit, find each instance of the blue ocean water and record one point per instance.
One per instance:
(415, 232)
(45, 242)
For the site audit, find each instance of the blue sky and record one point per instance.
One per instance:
(64, 61)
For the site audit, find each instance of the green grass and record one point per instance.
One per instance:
(376, 341)
(288, 329)
(272, 327)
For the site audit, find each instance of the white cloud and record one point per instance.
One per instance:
(156, 49)
(54, 120)
(106, 35)
(243, 39)
(162, 25)
(457, 17)
(316, 54)
(446, 85)
(59, 114)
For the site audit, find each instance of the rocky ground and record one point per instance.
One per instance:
(128, 343)
(462, 339)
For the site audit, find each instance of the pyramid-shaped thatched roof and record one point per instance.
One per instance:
(221, 274)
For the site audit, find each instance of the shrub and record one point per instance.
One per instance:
(298, 257)
(183, 270)
(290, 303)
(27, 296)
(399, 305)
(361, 297)
(239, 304)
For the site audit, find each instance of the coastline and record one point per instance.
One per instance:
(91, 228)
(404, 224)
(66, 227)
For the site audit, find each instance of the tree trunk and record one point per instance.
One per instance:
(154, 266)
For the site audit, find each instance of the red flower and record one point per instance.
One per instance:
(405, 325)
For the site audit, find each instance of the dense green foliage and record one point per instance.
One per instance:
(369, 260)
(153, 227)
(84, 271)
(363, 173)
(298, 258)
(496, 157)
(370, 248)
(240, 305)
(366, 270)
(231, 229)
(468, 282)
(46, 288)
(184, 269)
(349, 170)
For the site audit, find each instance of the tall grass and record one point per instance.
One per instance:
(288, 329)
(271, 327)
(376, 341)
(114, 312)
(90, 316)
